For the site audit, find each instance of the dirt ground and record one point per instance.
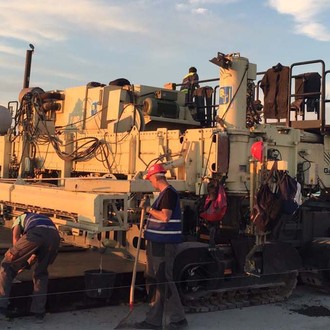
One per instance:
(305, 310)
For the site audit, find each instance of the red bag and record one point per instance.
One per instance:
(214, 210)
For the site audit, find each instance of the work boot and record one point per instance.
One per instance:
(3, 311)
(146, 325)
(183, 324)
(39, 317)
(4, 315)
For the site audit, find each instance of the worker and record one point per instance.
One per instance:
(189, 84)
(214, 209)
(163, 233)
(35, 240)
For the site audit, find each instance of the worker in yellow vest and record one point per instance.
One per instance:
(189, 84)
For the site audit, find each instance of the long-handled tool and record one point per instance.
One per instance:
(123, 322)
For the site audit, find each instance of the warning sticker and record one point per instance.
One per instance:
(225, 94)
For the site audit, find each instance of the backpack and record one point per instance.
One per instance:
(284, 197)
(214, 210)
(290, 191)
(266, 209)
(267, 203)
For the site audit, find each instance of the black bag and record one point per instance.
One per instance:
(267, 205)
(266, 209)
(288, 188)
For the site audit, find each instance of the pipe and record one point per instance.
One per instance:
(28, 61)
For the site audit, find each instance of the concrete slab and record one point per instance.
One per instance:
(289, 315)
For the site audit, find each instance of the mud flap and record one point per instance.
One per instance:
(273, 258)
(216, 269)
(280, 257)
(317, 253)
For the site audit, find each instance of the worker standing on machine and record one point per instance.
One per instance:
(189, 84)
(163, 232)
(35, 240)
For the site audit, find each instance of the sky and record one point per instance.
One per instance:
(152, 42)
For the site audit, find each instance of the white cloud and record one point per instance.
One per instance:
(315, 31)
(106, 39)
(200, 11)
(99, 38)
(216, 2)
(199, 6)
(20, 18)
(49, 21)
(8, 50)
(307, 15)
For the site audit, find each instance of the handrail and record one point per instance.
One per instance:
(321, 115)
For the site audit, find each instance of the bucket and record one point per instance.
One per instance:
(99, 283)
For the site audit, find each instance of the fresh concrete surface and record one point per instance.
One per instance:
(305, 310)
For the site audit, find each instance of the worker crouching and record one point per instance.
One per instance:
(35, 240)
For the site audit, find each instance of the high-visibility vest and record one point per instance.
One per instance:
(30, 220)
(165, 232)
(188, 81)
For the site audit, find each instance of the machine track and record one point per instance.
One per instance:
(69, 294)
(319, 279)
(242, 296)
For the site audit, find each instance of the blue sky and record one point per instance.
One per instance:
(152, 42)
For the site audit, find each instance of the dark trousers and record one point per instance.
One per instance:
(44, 243)
(160, 259)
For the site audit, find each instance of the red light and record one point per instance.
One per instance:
(257, 150)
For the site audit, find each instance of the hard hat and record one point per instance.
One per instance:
(154, 169)
(257, 150)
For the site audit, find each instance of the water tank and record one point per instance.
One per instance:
(5, 120)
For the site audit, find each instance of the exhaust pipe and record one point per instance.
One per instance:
(28, 60)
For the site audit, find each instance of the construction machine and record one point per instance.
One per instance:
(79, 155)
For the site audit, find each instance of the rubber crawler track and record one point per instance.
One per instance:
(242, 297)
(317, 279)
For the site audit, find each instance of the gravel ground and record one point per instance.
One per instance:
(306, 309)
